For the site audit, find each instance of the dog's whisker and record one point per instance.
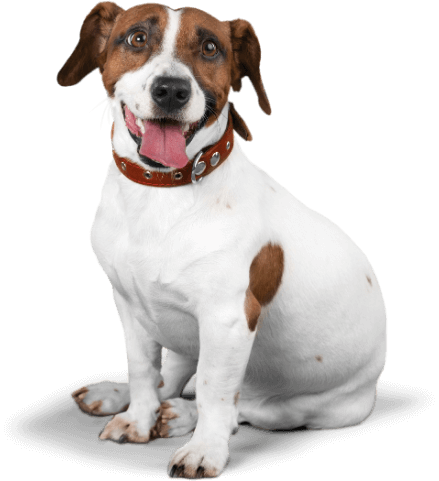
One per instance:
(106, 109)
(99, 104)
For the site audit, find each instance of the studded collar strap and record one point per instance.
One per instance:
(203, 164)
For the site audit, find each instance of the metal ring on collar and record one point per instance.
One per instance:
(197, 168)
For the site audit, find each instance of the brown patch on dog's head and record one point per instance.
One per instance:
(103, 42)
(238, 55)
(120, 57)
(213, 73)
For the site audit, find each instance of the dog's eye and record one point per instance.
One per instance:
(137, 39)
(209, 48)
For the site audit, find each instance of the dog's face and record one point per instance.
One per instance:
(167, 73)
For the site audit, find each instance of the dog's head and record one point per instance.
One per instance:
(168, 74)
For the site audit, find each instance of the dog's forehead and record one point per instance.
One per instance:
(138, 14)
(194, 21)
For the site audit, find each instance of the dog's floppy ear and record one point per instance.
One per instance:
(90, 52)
(246, 60)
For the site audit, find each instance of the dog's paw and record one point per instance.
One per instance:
(199, 460)
(103, 399)
(177, 417)
(124, 428)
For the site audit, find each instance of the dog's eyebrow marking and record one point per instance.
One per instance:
(203, 33)
(148, 22)
(369, 280)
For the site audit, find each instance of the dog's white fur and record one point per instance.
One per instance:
(178, 260)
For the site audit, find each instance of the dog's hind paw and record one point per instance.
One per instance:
(103, 399)
(177, 417)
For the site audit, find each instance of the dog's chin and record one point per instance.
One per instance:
(188, 131)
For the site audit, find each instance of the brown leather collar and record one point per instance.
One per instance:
(194, 171)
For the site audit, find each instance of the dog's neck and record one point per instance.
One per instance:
(124, 145)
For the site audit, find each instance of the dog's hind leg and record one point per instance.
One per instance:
(177, 416)
(110, 398)
(176, 372)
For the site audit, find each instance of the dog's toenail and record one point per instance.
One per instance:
(200, 472)
(123, 439)
(172, 472)
(180, 471)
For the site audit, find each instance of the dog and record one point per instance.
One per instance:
(273, 307)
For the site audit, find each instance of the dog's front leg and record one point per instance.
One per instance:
(143, 354)
(225, 345)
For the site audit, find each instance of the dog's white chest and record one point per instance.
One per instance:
(144, 263)
(152, 243)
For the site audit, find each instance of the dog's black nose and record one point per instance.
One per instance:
(171, 93)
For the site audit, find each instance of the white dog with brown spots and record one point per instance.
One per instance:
(273, 307)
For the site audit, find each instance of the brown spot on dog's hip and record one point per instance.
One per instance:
(266, 273)
(369, 280)
(236, 398)
(319, 358)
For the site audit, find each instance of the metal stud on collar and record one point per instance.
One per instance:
(123, 165)
(215, 159)
(147, 174)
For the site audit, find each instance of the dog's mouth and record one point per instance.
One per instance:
(160, 142)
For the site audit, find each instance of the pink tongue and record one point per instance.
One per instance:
(165, 144)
